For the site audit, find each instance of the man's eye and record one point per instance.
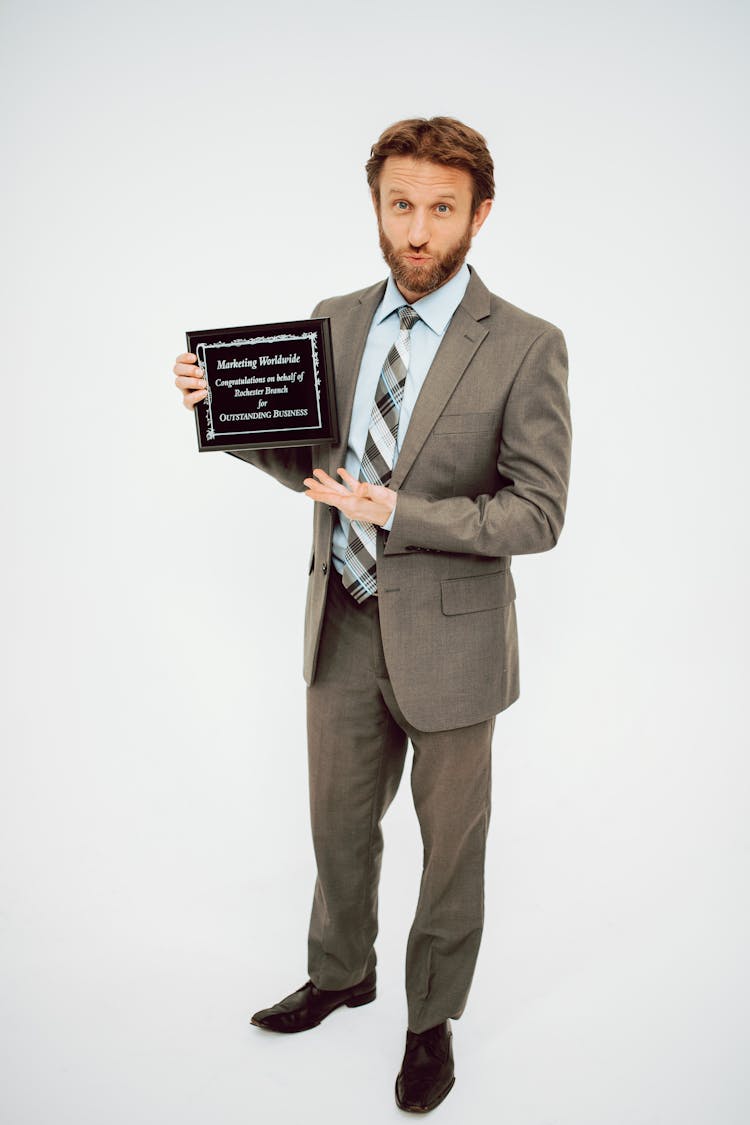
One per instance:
(401, 205)
(443, 208)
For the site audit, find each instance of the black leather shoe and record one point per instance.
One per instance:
(426, 1075)
(309, 1005)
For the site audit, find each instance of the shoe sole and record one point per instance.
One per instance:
(425, 1108)
(353, 1002)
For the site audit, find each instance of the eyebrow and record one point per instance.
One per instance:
(441, 194)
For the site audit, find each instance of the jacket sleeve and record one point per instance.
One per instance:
(526, 515)
(289, 466)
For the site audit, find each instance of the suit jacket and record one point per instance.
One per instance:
(482, 475)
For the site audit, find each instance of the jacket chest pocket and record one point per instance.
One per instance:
(483, 422)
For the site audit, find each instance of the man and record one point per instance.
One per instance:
(454, 456)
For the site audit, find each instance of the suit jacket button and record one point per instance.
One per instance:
(324, 568)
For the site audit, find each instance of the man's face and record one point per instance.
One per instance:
(426, 222)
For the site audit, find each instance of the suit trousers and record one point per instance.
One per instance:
(357, 742)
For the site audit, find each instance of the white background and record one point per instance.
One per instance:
(181, 166)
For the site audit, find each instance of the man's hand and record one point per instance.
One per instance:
(189, 379)
(360, 500)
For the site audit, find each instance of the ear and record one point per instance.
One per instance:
(480, 215)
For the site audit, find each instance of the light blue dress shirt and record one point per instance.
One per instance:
(435, 312)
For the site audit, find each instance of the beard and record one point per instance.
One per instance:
(423, 279)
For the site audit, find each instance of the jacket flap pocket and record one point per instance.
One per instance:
(480, 423)
(477, 592)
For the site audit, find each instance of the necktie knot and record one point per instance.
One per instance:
(407, 317)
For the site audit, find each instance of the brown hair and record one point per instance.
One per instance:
(443, 140)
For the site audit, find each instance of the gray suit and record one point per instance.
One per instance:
(482, 475)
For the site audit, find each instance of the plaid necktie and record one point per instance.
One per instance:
(377, 462)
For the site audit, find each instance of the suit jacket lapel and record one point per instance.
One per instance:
(350, 332)
(462, 338)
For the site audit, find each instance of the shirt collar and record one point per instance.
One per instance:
(436, 309)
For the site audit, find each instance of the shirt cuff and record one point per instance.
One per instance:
(389, 522)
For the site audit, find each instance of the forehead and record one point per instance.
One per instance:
(406, 174)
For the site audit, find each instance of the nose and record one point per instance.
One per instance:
(418, 230)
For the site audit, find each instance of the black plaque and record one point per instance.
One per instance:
(269, 385)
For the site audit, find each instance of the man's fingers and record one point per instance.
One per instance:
(189, 382)
(319, 491)
(189, 379)
(324, 479)
(356, 487)
(349, 479)
(189, 400)
(338, 496)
